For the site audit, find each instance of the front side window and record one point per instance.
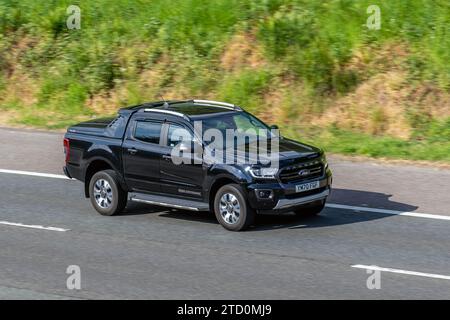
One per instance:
(178, 134)
(148, 131)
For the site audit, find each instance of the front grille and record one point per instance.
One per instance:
(301, 172)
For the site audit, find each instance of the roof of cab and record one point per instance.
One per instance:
(189, 108)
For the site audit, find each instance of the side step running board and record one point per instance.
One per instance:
(170, 202)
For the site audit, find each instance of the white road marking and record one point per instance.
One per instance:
(329, 205)
(14, 224)
(36, 174)
(386, 211)
(411, 273)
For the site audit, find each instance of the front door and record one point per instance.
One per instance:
(180, 179)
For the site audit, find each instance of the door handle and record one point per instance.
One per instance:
(132, 151)
(167, 157)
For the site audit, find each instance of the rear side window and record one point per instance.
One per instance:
(148, 131)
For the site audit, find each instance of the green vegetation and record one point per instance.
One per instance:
(297, 63)
(351, 143)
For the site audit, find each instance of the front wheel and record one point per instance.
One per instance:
(107, 197)
(231, 209)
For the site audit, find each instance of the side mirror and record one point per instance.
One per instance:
(188, 153)
(184, 147)
(196, 147)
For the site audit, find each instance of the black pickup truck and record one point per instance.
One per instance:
(131, 158)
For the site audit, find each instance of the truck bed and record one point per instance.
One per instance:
(112, 127)
(95, 127)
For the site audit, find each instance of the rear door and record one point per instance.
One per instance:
(141, 154)
(180, 179)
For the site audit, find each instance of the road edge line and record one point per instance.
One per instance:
(31, 226)
(35, 174)
(401, 271)
(387, 211)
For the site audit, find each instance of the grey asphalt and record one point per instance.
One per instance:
(154, 253)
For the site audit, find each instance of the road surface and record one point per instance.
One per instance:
(46, 225)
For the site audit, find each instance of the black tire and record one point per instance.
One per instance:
(310, 211)
(118, 195)
(246, 213)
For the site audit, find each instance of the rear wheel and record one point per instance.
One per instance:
(312, 210)
(231, 209)
(107, 197)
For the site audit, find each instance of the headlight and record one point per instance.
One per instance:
(263, 173)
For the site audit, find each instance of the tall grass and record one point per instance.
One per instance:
(314, 39)
(311, 43)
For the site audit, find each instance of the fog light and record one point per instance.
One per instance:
(264, 194)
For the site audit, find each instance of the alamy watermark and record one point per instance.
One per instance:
(74, 19)
(374, 20)
(73, 282)
(374, 280)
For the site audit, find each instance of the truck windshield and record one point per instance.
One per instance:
(242, 123)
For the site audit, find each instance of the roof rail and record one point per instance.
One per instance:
(179, 114)
(218, 103)
(154, 104)
(215, 102)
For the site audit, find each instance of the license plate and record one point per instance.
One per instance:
(307, 186)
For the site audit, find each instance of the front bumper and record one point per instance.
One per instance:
(284, 197)
(284, 204)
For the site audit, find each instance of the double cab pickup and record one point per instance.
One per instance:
(196, 155)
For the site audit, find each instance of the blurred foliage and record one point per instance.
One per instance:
(245, 89)
(152, 47)
(347, 142)
(314, 38)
